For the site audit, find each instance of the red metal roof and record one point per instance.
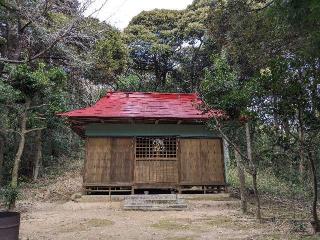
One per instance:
(143, 105)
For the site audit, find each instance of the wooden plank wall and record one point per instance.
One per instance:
(109, 161)
(122, 155)
(98, 159)
(190, 161)
(156, 171)
(141, 173)
(201, 162)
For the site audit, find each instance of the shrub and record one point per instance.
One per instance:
(8, 196)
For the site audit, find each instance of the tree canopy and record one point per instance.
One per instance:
(257, 61)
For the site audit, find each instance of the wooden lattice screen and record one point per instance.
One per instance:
(156, 160)
(156, 148)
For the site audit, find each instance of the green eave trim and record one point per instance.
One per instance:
(132, 130)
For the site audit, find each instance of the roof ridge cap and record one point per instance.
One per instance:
(162, 93)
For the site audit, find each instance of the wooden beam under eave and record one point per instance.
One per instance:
(156, 122)
(179, 122)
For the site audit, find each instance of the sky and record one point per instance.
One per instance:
(119, 12)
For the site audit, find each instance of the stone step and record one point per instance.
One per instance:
(155, 207)
(154, 202)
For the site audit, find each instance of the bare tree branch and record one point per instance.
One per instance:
(263, 7)
(224, 136)
(10, 106)
(34, 129)
(8, 7)
(60, 35)
(3, 131)
(39, 106)
(32, 19)
(5, 60)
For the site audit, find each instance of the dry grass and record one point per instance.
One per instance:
(182, 238)
(211, 198)
(99, 223)
(87, 224)
(233, 223)
(55, 188)
(219, 221)
(282, 236)
(207, 223)
(173, 225)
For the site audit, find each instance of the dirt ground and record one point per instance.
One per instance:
(47, 213)
(207, 217)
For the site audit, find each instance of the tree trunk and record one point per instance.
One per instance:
(242, 181)
(301, 146)
(38, 156)
(17, 159)
(301, 154)
(163, 78)
(254, 172)
(157, 72)
(256, 194)
(226, 157)
(315, 220)
(2, 143)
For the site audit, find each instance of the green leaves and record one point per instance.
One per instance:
(8, 195)
(111, 54)
(221, 89)
(293, 84)
(170, 46)
(8, 93)
(39, 81)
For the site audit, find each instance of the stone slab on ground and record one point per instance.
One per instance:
(156, 202)
(118, 198)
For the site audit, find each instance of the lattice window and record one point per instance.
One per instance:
(161, 148)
